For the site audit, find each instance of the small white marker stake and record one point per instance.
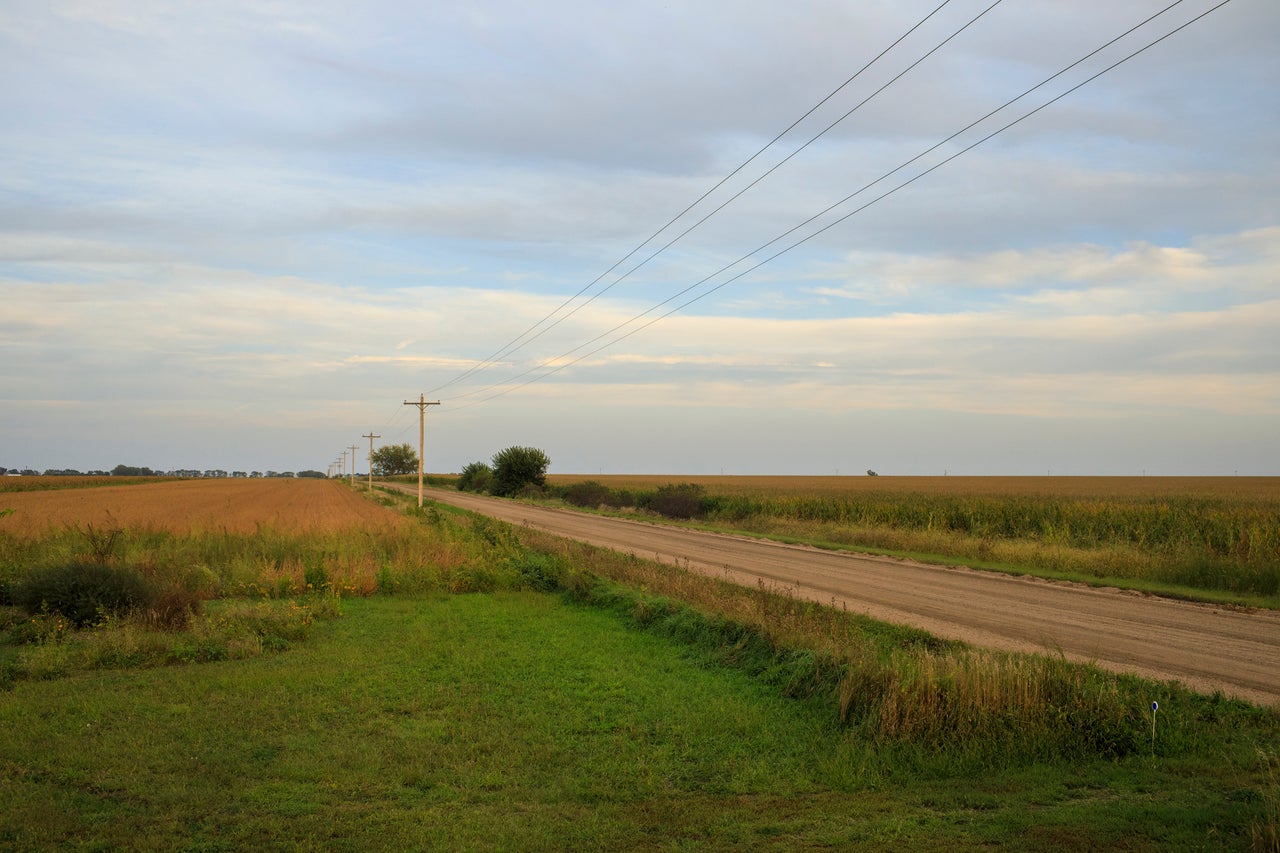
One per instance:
(1155, 706)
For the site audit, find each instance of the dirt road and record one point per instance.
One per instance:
(1207, 647)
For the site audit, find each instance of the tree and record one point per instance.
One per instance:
(475, 477)
(394, 459)
(131, 471)
(517, 468)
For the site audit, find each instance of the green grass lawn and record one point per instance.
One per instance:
(519, 721)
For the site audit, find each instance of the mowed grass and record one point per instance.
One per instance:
(523, 721)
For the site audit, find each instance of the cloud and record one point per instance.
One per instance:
(1080, 278)
(299, 214)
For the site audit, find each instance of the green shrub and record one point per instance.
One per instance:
(83, 591)
(315, 576)
(516, 468)
(537, 570)
(618, 498)
(475, 478)
(8, 578)
(678, 501)
(589, 494)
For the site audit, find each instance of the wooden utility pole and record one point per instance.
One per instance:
(422, 424)
(371, 437)
(353, 448)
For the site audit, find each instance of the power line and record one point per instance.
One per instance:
(515, 344)
(740, 192)
(766, 174)
(562, 366)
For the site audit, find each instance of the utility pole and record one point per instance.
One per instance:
(371, 437)
(354, 448)
(422, 423)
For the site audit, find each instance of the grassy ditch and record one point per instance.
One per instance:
(518, 720)
(919, 698)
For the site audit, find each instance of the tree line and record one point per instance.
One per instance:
(142, 471)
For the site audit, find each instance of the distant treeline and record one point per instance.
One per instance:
(134, 471)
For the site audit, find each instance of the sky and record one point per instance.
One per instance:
(240, 235)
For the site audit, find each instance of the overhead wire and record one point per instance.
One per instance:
(511, 346)
(757, 180)
(760, 178)
(525, 337)
(558, 363)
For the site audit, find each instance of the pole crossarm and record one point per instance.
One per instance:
(422, 404)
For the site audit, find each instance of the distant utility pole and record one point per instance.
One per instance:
(422, 424)
(371, 437)
(354, 448)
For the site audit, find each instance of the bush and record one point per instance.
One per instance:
(475, 478)
(8, 580)
(683, 501)
(589, 494)
(172, 609)
(83, 591)
(516, 468)
(538, 571)
(620, 498)
(315, 576)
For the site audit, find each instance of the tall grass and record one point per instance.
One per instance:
(440, 554)
(265, 587)
(1199, 535)
(1204, 543)
(1246, 533)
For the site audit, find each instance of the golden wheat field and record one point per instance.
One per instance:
(185, 506)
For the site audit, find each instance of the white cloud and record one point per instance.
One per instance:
(299, 214)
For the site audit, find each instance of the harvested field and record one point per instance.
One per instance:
(186, 506)
(84, 481)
